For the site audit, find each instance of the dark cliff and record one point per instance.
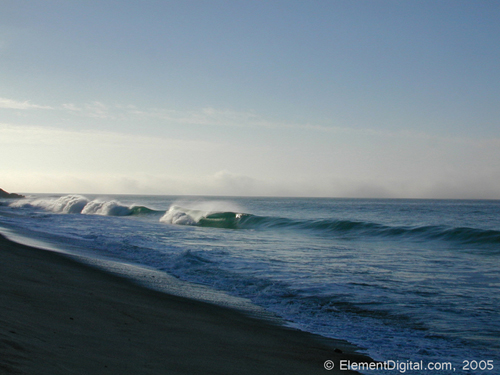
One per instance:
(4, 194)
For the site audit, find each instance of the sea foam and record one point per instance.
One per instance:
(79, 204)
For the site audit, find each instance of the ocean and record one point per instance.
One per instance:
(407, 280)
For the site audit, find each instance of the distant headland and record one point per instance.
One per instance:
(4, 194)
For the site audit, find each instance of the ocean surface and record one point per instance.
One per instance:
(408, 280)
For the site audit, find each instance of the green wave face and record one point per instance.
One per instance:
(235, 220)
(142, 210)
(232, 220)
(228, 220)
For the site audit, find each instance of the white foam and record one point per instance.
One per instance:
(76, 204)
(190, 213)
(69, 204)
(106, 208)
(181, 216)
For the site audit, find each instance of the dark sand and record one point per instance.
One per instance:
(58, 316)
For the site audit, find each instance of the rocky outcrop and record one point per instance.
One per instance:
(4, 194)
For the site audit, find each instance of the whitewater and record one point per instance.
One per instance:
(407, 280)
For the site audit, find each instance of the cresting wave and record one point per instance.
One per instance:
(177, 215)
(183, 216)
(232, 220)
(78, 204)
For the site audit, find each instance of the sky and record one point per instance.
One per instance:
(330, 98)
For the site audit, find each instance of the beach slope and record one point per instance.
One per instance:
(58, 316)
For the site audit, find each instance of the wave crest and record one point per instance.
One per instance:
(345, 228)
(69, 204)
(107, 208)
(209, 216)
(78, 204)
(184, 216)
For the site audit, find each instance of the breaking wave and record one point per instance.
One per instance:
(183, 216)
(210, 217)
(346, 228)
(78, 204)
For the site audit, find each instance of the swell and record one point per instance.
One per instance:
(435, 232)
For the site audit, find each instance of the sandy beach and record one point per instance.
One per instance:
(58, 316)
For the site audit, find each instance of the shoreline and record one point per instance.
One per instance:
(59, 316)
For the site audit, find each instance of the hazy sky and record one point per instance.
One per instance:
(302, 98)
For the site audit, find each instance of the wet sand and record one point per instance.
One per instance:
(58, 316)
